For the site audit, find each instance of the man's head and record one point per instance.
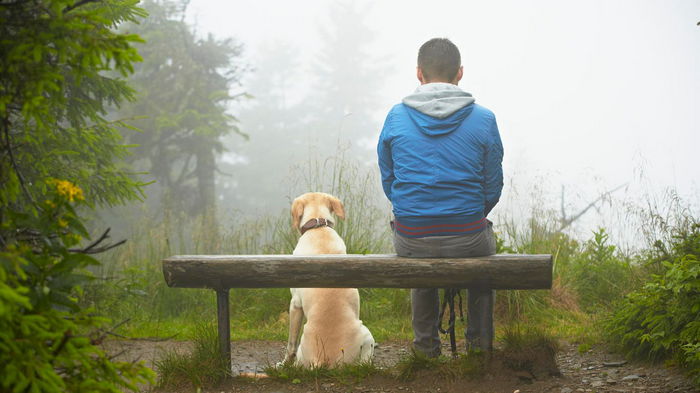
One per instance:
(439, 61)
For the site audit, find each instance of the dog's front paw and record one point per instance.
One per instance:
(288, 359)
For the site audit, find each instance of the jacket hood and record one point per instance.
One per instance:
(439, 108)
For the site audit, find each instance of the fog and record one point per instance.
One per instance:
(588, 95)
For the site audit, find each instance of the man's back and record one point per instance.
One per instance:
(440, 171)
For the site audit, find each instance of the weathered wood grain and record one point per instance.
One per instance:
(502, 271)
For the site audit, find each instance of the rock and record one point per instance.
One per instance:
(566, 390)
(615, 364)
(631, 377)
(597, 384)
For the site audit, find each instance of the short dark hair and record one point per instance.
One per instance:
(439, 59)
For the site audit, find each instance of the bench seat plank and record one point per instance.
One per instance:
(501, 271)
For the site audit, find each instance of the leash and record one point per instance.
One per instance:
(448, 299)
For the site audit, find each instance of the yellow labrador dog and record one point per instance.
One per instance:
(333, 333)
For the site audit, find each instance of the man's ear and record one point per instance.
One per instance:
(297, 212)
(337, 207)
(419, 75)
(459, 75)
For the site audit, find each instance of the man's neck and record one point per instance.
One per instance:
(437, 81)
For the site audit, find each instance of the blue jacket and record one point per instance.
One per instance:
(440, 159)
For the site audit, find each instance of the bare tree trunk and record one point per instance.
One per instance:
(205, 206)
(565, 221)
(205, 172)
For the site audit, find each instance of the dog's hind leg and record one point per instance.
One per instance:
(296, 318)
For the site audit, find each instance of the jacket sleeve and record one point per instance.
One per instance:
(493, 174)
(386, 162)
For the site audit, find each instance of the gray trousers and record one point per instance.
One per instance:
(425, 302)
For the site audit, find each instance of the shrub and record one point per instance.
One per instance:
(599, 274)
(48, 343)
(58, 154)
(662, 319)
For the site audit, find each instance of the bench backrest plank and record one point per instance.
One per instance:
(501, 271)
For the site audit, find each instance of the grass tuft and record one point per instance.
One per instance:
(529, 348)
(467, 366)
(345, 374)
(203, 366)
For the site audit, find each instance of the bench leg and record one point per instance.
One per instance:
(224, 324)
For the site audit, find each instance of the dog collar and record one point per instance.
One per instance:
(316, 223)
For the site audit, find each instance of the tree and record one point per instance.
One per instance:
(58, 155)
(183, 87)
(279, 126)
(334, 119)
(348, 80)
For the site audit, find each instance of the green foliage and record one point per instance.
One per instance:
(53, 98)
(201, 367)
(47, 342)
(599, 274)
(57, 155)
(662, 319)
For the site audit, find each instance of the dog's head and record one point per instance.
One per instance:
(315, 205)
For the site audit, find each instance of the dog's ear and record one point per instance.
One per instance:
(297, 212)
(337, 207)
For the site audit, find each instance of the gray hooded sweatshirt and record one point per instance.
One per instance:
(438, 100)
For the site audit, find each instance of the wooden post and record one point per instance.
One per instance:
(224, 324)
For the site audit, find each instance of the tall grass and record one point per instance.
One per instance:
(131, 285)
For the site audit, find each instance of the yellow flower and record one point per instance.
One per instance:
(62, 223)
(68, 190)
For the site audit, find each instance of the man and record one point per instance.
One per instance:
(440, 158)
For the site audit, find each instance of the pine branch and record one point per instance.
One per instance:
(79, 4)
(13, 161)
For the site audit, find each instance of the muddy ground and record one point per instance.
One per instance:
(595, 370)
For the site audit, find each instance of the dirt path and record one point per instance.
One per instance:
(595, 371)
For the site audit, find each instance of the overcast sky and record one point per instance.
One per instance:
(588, 94)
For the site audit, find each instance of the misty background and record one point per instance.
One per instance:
(596, 101)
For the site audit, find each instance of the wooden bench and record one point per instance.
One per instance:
(223, 272)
